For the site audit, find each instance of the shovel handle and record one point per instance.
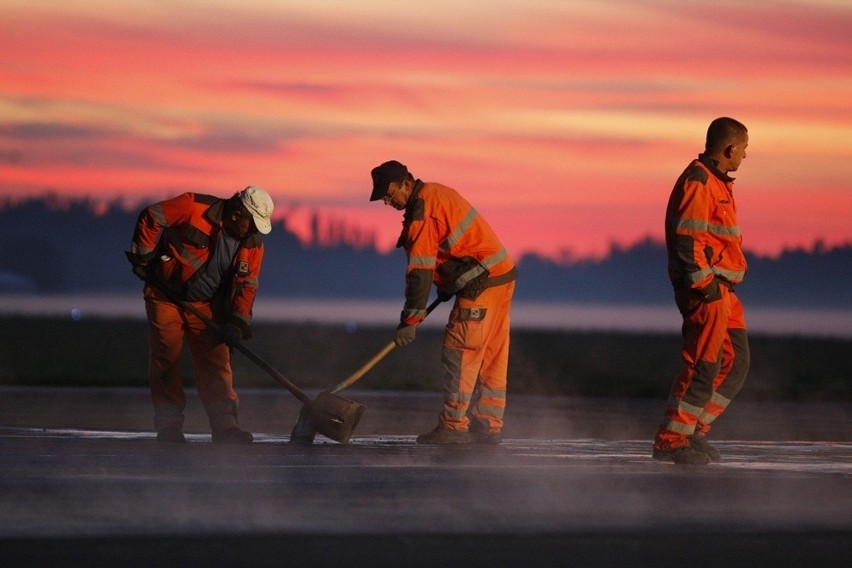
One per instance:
(364, 368)
(356, 376)
(274, 373)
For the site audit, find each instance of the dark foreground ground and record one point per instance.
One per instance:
(83, 483)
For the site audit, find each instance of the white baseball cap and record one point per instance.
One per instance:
(255, 199)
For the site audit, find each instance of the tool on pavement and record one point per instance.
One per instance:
(304, 431)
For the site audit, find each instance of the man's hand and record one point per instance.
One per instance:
(141, 271)
(139, 264)
(445, 296)
(232, 335)
(405, 334)
(711, 292)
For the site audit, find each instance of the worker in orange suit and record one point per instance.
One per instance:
(207, 252)
(448, 243)
(706, 262)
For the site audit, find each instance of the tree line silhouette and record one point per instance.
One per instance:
(52, 245)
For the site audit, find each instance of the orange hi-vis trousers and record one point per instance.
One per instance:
(169, 326)
(716, 361)
(476, 361)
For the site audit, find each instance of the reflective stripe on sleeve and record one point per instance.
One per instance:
(729, 275)
(694, 277)
(460, 230)
(422, 262)
(408, 315)
(495, 258)
(703, 225)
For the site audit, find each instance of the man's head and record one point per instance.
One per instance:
(727, 140)
(247, 212)
(386, 174)
(392, 183)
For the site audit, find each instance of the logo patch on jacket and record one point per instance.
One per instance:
(243, 268)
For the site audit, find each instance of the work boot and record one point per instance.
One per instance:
(699, 444)
(486, 437)
(685, 455)
(441, 435)
(481, 433)
(171, 437)
(232, 435)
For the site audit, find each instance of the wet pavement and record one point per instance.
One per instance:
(84, 483)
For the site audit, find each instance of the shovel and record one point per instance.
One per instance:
(332, 416)
(305, 430)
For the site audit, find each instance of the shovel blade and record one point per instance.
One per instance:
(303, 432)
(335, 417)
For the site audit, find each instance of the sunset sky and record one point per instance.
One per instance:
(564, 122)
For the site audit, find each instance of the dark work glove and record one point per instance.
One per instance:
(405, 334)
(711, 292)
(139, 263)
(141, 271)
(232, 335)
(445, 296)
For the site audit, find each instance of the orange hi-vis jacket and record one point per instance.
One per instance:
(702, 236)
(441, 226)
(178, 234)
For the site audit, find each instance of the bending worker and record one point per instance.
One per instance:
(206, 251)
(447, 242)
(706, 261)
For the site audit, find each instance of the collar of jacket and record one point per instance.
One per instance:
(410, 208)
(215, 212)
(712, 165)
(418, 185)
(411, 211)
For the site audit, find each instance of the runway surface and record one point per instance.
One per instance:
(76, 492)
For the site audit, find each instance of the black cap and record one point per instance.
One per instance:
(384, 175)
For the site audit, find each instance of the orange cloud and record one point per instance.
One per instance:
(568, 121)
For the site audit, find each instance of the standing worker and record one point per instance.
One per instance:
(206, 251)
(706, 261)
(449, 243)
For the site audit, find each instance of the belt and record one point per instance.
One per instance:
(502, 279)
(680, 285)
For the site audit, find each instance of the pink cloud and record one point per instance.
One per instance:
(574, 121)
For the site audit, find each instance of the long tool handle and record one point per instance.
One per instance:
(356, 376)
(274, 373)
(284, 381)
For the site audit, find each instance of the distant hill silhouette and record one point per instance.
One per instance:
(53, 245)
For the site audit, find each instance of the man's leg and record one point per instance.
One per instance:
(704, 335)
(214, 377)
(736, 359)
(489, 403)
(165, 345)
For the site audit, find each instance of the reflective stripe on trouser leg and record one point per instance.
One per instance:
(475, 353)
(487, 408)
(165, 346)
(211, 360)
(711, 411)
(706, 343)
(736, 359)
(490, 405)
(456, 400)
